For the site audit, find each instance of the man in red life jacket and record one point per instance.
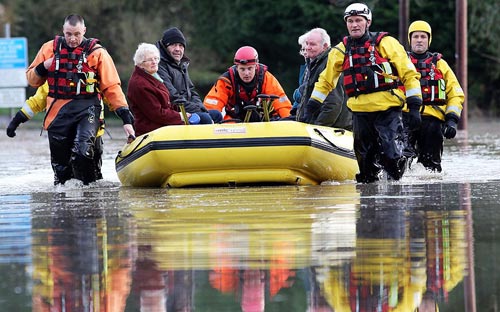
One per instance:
(372, 64)
(442, 99)
(77, 70)
(240, 85)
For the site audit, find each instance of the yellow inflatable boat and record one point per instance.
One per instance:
(284, 152)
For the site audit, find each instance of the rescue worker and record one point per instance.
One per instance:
(78, 70)
(372, 63)
(240, 85)
(173, 69)
(38, 103)
(334, 111)
(442, 99)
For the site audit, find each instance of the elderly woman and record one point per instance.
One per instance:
(148, 97)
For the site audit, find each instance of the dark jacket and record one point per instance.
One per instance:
(150, 103)
(176, 79)
(334, 111)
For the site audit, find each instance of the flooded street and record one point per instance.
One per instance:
(431, 239)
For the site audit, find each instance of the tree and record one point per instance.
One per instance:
(216, 29)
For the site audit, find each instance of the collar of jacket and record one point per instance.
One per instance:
(321, 56)
(361, 40)
(145, 74)
(422, 56)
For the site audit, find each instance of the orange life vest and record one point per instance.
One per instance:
(241, 95)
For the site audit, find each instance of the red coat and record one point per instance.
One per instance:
(149, 101)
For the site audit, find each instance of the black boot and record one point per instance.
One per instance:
(83, 169)
(396, 169)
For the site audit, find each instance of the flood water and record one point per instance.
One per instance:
(430, 240)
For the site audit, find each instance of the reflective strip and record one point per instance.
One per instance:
(442, 89)
(413, 92)
(283, 98)
(318, 95)
(27, 110)
(211, 101)
(387, 70)
(454, 109)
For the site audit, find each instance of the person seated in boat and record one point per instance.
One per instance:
(173, 69)
(148, 97)
(239, 86)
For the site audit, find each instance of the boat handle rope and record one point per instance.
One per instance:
(135, 148)
(331, 143)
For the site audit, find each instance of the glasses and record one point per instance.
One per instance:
(357, 12)
(244, 62)
(152, 60)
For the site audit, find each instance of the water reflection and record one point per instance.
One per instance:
(410, 252)
(352, 249)
(82, 255)
(246, 253)
(380, 247)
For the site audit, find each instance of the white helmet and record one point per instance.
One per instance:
(360, 9)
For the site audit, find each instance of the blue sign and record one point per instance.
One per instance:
(13, 53)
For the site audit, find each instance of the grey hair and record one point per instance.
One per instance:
(302, 39)
(142, 50)
(324, 35)
(302, 43)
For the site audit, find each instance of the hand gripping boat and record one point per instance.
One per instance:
(229, 154)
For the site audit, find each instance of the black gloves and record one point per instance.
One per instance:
(311, 108)
(450, 126)
(414, 118)
(15, 122)
(125, 115)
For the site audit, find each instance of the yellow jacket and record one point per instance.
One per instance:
(38, 103)
(388, 48)
(454, 94)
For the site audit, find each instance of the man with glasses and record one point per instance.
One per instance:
(372, 64)
(238, 88)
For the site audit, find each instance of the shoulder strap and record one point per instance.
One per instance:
(347, 44)
(232, 77)
(58, 42)
(375, 37)
(89, 45)
(436, 57)
(262, 69)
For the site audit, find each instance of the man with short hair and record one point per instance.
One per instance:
(77, 70)
(333, 112)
